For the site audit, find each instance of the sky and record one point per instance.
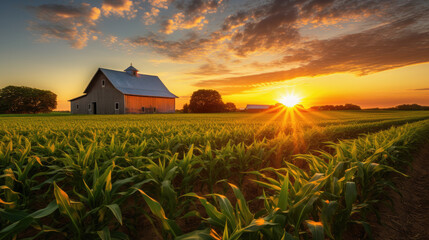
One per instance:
(373, 53)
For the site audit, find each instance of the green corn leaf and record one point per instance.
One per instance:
(226, 209)
(104, 234)
(284, 194)
(216, 217)
(350, 194)
(327, 215)
(258, 224)
(27, 220)
(242, 205)
(205, 234)
(316, 229)
(114, 208)
(158, 211)
(65, 206)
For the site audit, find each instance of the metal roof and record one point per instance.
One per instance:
(254, 106)
(131, 68)
(141, 85)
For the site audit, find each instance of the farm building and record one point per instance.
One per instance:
(119, 92)
(256, 108)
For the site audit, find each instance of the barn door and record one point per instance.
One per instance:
(94, 108)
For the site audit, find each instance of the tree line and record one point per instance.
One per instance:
(347, 106)
(15, 99)
(407, 107)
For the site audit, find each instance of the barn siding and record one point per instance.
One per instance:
(104, 97)
(83, 106)
(134, 104)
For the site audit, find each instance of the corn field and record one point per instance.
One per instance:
(201, 176)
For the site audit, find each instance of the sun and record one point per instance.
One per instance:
(290, 100)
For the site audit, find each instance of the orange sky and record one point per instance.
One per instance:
(372, 53)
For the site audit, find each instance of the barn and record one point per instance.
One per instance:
(253, 108)
(121, 92)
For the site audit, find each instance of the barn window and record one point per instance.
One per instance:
(89, 106)
(142, 109)
(77, 106)
(116, 106)
(102, 83)
(154, 110)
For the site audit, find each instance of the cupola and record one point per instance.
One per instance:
(132, 70)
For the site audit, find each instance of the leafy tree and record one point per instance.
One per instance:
(230, 107)
(411, 107)
(15, 99)
(185, 108)
(206, 101)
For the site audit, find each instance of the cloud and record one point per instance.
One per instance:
(149, 17)
(118, 7)
(397, 44)
(191, 15)
(75, 24)
(421, 89)
(110, 40)
(188, 49)
(179, 21)
(211, 68)
(160, 3)
(328, 12)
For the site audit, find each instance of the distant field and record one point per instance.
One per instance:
(121, 176)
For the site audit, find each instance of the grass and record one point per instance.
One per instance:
(199, 176)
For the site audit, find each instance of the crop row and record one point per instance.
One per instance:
(84, 184)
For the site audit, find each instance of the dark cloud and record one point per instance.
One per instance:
(421, 89)
(191, 15)
(75, 24)
(400, 43)
(193, 7)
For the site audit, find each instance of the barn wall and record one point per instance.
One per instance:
(134, 104)
(79, 106)
(104, 97)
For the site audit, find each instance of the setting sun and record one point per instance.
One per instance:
(290, 100)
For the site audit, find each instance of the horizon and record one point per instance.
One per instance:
(368, 53)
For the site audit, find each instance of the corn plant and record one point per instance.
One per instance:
(235, 222)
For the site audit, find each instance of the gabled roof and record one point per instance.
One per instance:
(254, 106)
(140, 85)
(77, 97)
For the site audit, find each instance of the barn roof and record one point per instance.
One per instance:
(77, 97)
(141, 85)
(254, 106)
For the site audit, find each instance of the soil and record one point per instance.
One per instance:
(409, 217)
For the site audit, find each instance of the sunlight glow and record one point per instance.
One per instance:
(290, 100)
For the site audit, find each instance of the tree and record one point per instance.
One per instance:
(185, 108)
(411, 107)
(206, 101)
(230, 107)
(15, 99)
